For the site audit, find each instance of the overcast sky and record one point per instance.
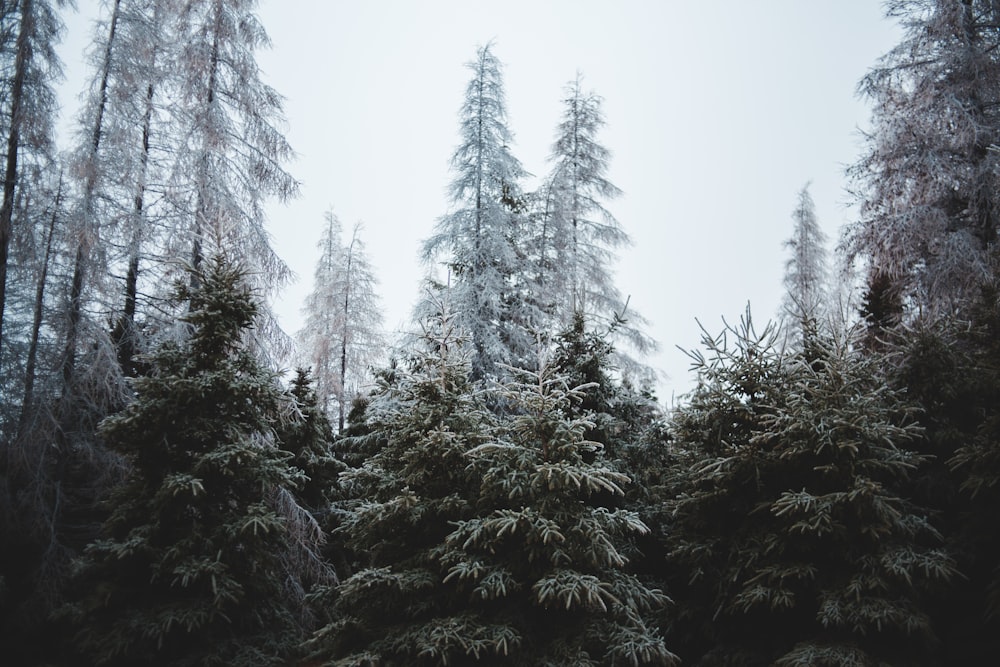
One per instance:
(718, 113)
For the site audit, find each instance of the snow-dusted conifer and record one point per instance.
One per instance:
(477, 240)
(29, 30)
(191, 566)
(404, 500)
(805, 307)
(543, 564)
(928, 179)
(231, 153)
(343, 333)
(792, 541)
(575, 236)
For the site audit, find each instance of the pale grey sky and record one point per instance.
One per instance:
(718, 113)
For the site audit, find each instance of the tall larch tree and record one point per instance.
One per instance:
(231, 152)
(343, 333)
(575, 236)
(927, 182)
(806, 271)
(476, 241)
(122, 121)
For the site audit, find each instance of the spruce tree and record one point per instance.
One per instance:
(793, 543)
(543, 566)
(401, 504)
(950, 368)
(190, 569)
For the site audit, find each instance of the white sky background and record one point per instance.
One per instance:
(718, 113)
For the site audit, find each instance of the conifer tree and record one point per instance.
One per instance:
(29, 30)
(927, 182)
(949, 367)
(230, 154)
(190, 565)
(576, 236)
(342, 337)
(805, 305)
(792, 541)
(478, 239)
(402, 502)
(543, 565)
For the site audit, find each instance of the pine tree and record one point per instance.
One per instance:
(189, 569)
(342, 337)
(793, 543)
(477, 239)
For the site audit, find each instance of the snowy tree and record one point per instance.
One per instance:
(190, 566)
(342, 337)
(575, 235)
(805, 306)
(28, 33)
(792, 540)
(230, 151)
(477, 239)
(543, 565)
(404, 500)
(118, 169)
(927, 182)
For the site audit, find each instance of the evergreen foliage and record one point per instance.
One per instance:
(950, 368)
(190, 566)
(792, 543)
(401, 503)
(543, 566)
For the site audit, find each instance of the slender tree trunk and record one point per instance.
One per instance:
(126, 336)
(202, 212)
(36, 323)
(87, 230)
(21, 62)
(343, 339)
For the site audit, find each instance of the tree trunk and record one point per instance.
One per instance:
(36, 323)
(21, 62)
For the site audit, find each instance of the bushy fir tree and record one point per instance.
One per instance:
(401, 503)
(191, 567)
(793, 544)
(543, 566)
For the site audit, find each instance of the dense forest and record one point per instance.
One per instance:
(503, 486)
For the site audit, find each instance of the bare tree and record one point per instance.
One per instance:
(28, 32)
(575, 236)
(343, 333)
